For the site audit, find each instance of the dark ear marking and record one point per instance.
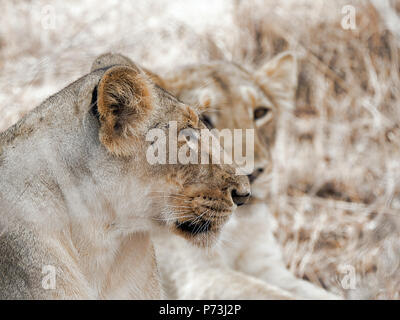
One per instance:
(94, 109)
(207, 121)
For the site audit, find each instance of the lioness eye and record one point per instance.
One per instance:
(261, 112)
(207, 121)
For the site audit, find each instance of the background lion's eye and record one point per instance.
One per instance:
(261, 112)
(207, 121)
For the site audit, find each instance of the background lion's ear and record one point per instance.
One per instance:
(124, 102)
(155, 78)
(279, 78)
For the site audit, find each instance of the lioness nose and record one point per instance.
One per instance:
(240, 198)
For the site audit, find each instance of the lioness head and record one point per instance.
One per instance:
(193, 200)
(238, 99)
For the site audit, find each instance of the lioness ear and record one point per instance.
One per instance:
(110, 59)
(279, 78)
(124, 102)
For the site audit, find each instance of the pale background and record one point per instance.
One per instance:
(337, 187)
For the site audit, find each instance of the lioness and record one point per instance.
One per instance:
(78, 196)
(249, 252)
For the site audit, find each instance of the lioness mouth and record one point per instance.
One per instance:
(200, 226)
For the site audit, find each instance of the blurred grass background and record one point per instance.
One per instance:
(336, 189)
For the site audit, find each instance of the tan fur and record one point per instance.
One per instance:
(229, 94)
(77, 192)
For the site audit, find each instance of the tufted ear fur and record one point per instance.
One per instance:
(279, 78)
(124, 102)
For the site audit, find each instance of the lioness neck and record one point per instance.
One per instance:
(81, 205)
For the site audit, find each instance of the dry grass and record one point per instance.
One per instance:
(337, 178)
(337, 186)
